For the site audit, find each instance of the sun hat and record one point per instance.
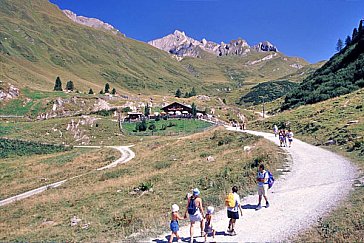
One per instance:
(196, 192)
(175, 208)
(210, 210)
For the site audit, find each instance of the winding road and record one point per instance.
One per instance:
(318, 180)
(126, 155)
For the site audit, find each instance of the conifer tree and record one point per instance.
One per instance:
(113, 91)
(193, 110)
(147, 110)
(70, 86)
(360, 29)
(355, 34)
(347, 40)
(178, 93)
(193, 92)
(339, 45)
(101, 92)
(58, 85)
(90, 91)
(107, 88)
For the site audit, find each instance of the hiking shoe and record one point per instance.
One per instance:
(233, 233)
(267, 205)
(258, 207)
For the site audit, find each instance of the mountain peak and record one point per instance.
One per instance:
(180, 44)
(90, 22)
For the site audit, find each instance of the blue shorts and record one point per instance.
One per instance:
(174, 226)
(232, 215)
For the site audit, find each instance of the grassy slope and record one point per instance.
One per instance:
(38, 42)
(173, 166)
(317, 124)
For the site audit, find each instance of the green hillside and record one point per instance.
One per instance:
(38, 43)
(342, 74)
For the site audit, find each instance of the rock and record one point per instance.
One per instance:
(353, 122)
(8, 92)
(330, 142)
(48, 223)
(210, 159)
(247, 148)
(75, 220)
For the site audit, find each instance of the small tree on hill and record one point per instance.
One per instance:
(70, 86)
(347, 40)
(107, 88)
(193, 110)
(360, 29)
(193, 92)
(58, 85)
(113, 91)
(90, 91)
(187, 95)
(355, 34)
(339, 45)
(178, 93)
(101, 92)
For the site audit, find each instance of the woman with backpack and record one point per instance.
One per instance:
(233, 208)
(195, 210)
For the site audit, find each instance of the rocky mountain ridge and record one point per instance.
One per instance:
(90, 22)
(179, 44)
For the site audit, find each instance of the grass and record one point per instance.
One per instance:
(318, 124)
(112, 208)
(20, 174)
(170, 126)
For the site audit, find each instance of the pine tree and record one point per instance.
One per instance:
(90, 91)
(58, 85)
(70, 86)
(178, 93)
(193, 110)
(101, 92)
(113, 91)
(187, 95)
(107, 88)
(147, 110)
(360, 29)
(193, 92)
(347, 40)
(355, 34)
(339, 45)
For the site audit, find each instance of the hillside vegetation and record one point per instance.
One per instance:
(342, 74)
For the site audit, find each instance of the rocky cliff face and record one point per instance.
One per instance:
(181, 45)
(91, 22)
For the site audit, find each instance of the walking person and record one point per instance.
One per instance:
(281, 138)
(195, 210)
(209, 229)
(285, 138)
(275, 130)
(290, 137)
(174, 226)
(262, 180)
(233, 208)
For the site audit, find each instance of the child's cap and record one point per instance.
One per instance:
(210, 210)
(175, 208)
(196, 192)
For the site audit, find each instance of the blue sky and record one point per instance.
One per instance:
(304, 28)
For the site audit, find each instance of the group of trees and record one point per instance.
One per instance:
(58, 85)
(70, 87)
(349, 39)
(342, 74)
(187, 94)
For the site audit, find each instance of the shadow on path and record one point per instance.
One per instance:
(249, 206)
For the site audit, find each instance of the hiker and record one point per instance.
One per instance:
(262, 180)
(285, 138)
(290, 137)
(195, 210)
(208, 223)
(281, 138)
(233, 211)
(275, 130)
(174, 226)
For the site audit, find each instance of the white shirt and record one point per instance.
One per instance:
(263, 175)
(237, 202)
(290, 135)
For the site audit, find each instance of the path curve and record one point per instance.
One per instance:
(318, 181)
(126, 155)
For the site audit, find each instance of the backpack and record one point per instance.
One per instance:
(270, 179)
(230, 200)
(191, 206)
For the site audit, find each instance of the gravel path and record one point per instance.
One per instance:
(318, 180)
(126, 155)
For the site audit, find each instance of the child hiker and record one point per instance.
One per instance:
(208, 224)
(174, 223)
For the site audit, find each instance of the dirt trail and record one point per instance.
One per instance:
(317, 182)
(126, 155)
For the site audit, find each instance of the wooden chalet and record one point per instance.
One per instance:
(176, 109)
